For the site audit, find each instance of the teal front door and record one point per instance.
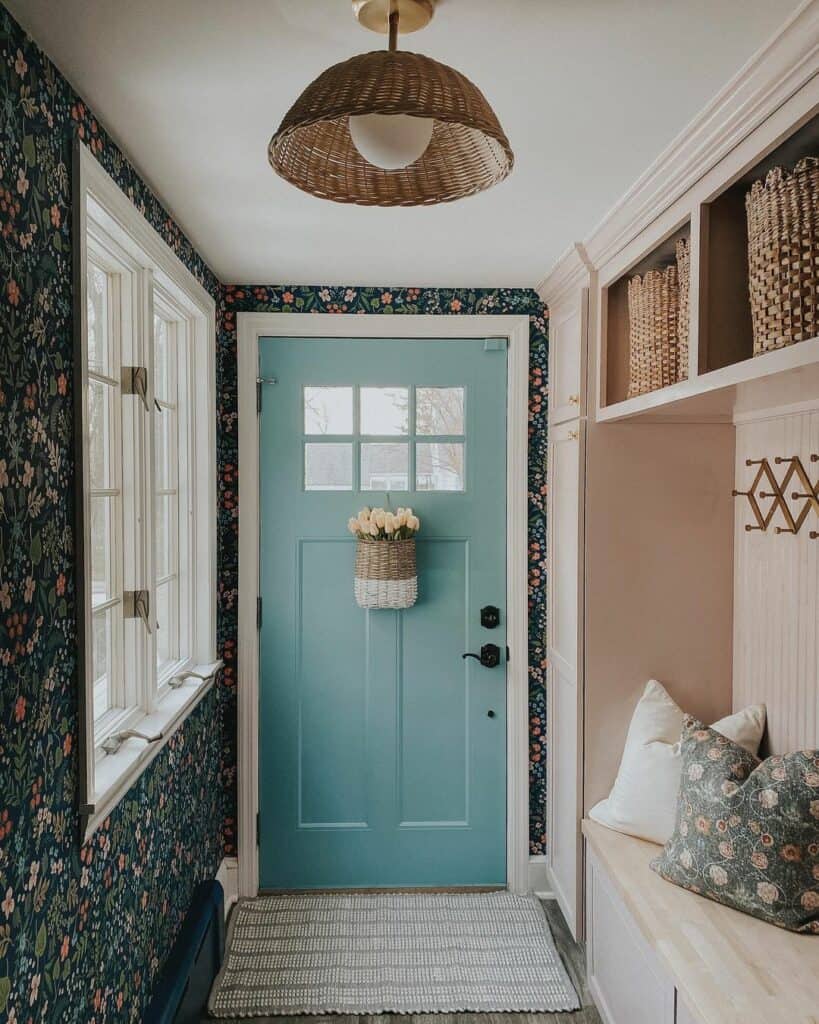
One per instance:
(382, 750)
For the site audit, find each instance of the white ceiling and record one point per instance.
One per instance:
(588, 91)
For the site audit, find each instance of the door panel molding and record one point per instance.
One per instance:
(302, 327)
(407, 648)
(323, 739)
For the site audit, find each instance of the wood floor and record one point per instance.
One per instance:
(573, 958)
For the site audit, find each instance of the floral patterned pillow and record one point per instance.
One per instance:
(747, 831)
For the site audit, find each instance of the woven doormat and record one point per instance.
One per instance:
(367, 953)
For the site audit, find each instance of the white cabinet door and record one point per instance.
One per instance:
(567, 336)
(564, 523)
(564, 839)
(563, 692)
(625, 978)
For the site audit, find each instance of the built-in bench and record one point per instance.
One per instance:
(658, 954)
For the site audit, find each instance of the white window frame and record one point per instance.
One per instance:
(111, 230)
(187, 409)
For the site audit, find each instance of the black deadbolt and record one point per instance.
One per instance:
(489, 656)
(490, 616)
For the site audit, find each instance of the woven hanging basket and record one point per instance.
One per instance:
(468, 151)
(683, 253)
(783, 256)
(385, 574)
(653, 307)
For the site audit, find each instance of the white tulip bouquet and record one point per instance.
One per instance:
(382, 524)
(385, 572)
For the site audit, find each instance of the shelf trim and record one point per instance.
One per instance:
(791, 357)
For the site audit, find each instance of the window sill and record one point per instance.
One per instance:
(115, 774)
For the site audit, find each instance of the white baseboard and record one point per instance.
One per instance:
(228, 876)
(540, 881)
(598, 1000)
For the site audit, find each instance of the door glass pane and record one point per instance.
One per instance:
(384, 410)
(328, 467)
(384, 467)
(100, 435)
(328, 410)
(167, 619)
(101, 656)
(439, 466)
(439, 410)
(103, 584)
(99, 356)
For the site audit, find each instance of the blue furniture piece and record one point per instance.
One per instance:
(182, 992)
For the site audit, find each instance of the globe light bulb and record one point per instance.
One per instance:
(391, 141)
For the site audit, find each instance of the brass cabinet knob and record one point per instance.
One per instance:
(573, 435)
(574, 399)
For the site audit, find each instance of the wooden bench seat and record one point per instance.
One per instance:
(722, 967)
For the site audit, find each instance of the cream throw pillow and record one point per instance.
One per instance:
(643, 800)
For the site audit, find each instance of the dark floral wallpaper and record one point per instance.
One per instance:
(84, 928)
(407, 301)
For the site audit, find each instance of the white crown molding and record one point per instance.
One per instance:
(571, 272)
(774, 73)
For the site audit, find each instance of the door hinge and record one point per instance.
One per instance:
(259, 382)
(507, 653)
(258, 830)
(258, 613)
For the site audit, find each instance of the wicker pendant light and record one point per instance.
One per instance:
(467, 150)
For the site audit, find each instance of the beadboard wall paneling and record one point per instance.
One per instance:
(776, 591)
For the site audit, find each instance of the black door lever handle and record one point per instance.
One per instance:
(489, 656)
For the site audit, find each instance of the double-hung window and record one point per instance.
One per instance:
(146, 490)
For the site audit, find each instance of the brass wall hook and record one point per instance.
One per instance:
(762, 474)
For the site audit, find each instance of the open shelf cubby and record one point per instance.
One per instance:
(725, 378)
(617, 314)
(725, 330)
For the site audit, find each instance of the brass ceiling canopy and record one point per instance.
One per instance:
(375, 14)
(391, 128)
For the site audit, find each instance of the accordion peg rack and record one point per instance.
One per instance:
(766, 487)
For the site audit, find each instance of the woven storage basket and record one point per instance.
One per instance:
(385, 574)
(683, 314)
(783, 255)
(653, 307)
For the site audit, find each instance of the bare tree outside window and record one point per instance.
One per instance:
(439, 411)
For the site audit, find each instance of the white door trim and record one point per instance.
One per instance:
(251, 327)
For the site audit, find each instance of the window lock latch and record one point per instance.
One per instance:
(137, 605)
(135, 382)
